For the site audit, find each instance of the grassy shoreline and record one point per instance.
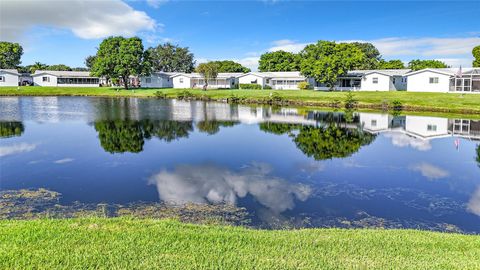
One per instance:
(125, 243)
(413, 102)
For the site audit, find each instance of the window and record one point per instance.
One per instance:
(2, 78)
(431, 127)
(45, 79)
(181, 80)
(374, 123)
(253, 82)
(148, 80)
(267, 81)
(433, 79)
(375, 80)
(393, 80)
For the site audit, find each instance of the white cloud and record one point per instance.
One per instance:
(210, 183)
(287, 45)
(156, 3)
(473, 205)
(15, 149)
(430, 171)
(454, 51)
(403, 140)
(249, 62)
(87, 19)
(64, 160)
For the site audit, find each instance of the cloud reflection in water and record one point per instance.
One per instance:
(215, 184)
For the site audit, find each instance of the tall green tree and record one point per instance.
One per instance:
(59, 67)
(10, 54)
(89, 61)
(119, 57)
(279, 61)
(37, 66)
(209, 71)
(172, 58)
(391, 64)
(422, 64)
(372, 55)
(325, 61)
(230, 66)
(476, 56)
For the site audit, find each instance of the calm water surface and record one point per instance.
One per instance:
(284, 165)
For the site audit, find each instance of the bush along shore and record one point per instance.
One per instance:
(398, 100)
(133, 243)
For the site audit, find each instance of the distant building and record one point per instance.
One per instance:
(65, 78)
(275, 80)
(157, 80)
(444, 80)
(196, 80)
(9, 77)
(370, 80)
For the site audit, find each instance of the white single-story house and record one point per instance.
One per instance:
(370, 80)
(157, 80)
(196, 80)
(444, 80)
(9, 77)
(65, 78)
(275, 80)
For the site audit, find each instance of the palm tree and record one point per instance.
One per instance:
(37, 66)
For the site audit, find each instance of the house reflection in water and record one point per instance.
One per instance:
(420, 127)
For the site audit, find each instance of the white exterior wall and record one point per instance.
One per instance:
(426, 126)
(9, 79)
(38, 80)
(185, 84)
(384, 83)
(248, 79)
(156, 81)
(420, 82)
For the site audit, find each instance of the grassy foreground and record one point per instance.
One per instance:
(122, 243)
(435, 102)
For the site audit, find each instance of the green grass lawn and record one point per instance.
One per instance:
(440, 102)
(122, 243)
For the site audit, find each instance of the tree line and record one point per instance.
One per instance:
(118, 58)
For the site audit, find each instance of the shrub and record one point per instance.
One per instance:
(397, 105)
(267, 87)
(303, 85)
(160, 94)
(185, 94)
(250, 86)
(235, 99)
(350, 101)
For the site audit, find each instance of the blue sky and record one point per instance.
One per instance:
(242, 30)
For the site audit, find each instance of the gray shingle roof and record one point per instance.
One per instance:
(11, 71)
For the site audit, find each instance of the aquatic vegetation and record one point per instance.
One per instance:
(42, 203)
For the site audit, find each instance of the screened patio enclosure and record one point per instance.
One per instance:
(217, 83)
(466, 82)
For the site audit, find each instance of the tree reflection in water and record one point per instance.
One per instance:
(119, 136)
(331, 141)
(478, 155)
(11, 129)
(212, 126)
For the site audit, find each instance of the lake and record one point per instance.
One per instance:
(283, 167)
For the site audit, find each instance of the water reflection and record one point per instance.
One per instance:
(340, 169)
(215, 184)
(11, 129)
